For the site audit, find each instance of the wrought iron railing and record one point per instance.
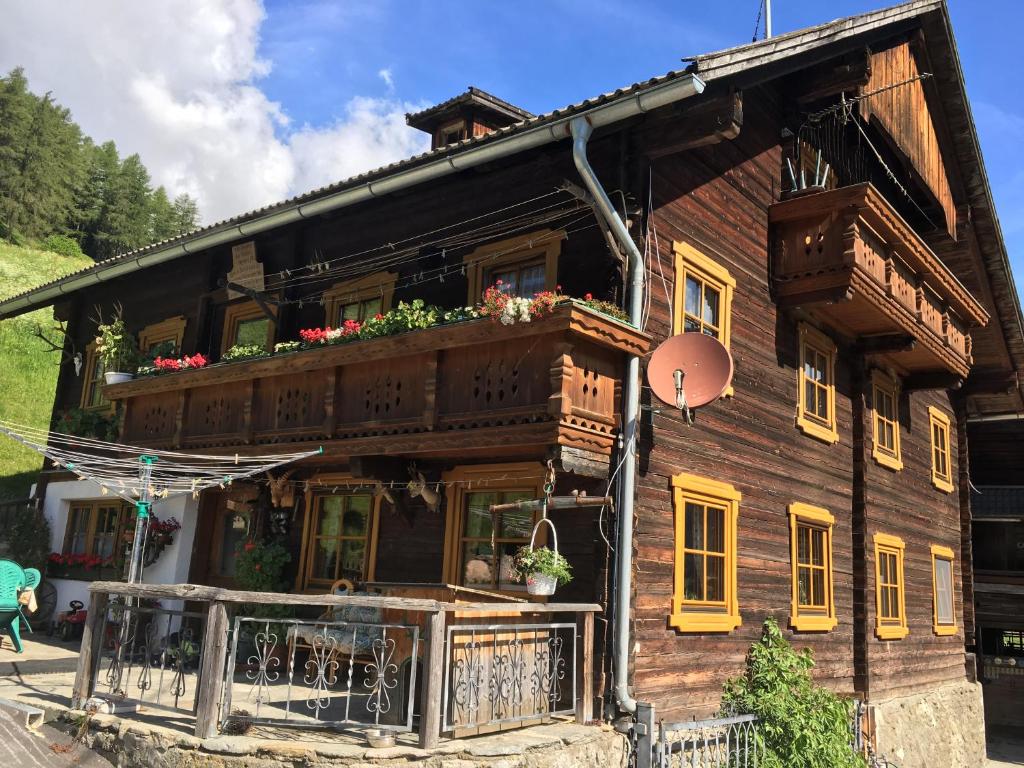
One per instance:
(508, 673)
(397, 663)
(323, 673)
(724, 742)
(150, 655)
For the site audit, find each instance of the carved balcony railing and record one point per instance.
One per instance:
(455, 389)
(848, 259)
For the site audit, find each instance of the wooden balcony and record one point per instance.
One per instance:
(853, 264)
(454, 390)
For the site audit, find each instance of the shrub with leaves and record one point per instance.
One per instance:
(95, 424)
(26, 537)
(63, 245)
(259, 567)
(800, 724)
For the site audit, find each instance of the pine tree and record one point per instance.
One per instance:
(97, 199)
(186, 214)
(15, 120)
(161, 216)
(55, 181)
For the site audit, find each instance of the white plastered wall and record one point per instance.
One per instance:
(172, 566)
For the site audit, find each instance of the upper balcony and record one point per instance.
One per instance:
(474, 387)
(848, 259)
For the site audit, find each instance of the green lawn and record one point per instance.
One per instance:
(28, 369)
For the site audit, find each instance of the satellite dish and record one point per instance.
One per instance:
(690, 370)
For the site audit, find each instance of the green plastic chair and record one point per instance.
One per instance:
(13, 579)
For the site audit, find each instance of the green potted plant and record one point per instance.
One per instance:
(542, 569)
(116, 348)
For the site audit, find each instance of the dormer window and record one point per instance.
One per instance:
(452, 133)
(469, 114)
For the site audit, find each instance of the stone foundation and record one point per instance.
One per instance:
(135, 745)
(941, 727)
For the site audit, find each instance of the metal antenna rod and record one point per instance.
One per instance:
(767, 18)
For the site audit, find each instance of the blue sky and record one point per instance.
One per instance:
(243, 103)
(542, 55)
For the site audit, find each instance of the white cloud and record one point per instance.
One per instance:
(388, 77)
(180, 86)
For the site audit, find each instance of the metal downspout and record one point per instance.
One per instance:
(581, 130)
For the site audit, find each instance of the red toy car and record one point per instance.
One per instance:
(69, 624)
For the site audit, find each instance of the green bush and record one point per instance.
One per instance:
(93, 424)
(26, 538)
(801, 725)
(259, 567)
(63, 245)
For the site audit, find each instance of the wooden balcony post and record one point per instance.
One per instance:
(247, 415)
(585, 668)
(431, 696)
(92, 636)
(330, 413)
(562, 379)
(211, 672)
(430, 392)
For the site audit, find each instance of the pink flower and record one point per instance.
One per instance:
(588, 297)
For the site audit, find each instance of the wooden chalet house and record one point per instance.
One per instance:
(816, 201)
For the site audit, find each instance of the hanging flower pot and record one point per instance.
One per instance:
(117, 377)
(543, 569)
(538, 583)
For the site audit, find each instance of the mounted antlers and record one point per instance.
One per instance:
(418, 487)
(65, 356)
(281, 494)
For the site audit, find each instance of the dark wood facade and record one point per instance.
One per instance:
(892, 297)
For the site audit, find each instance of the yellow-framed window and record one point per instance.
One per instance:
(704, 595)
(943, 609)
(480, 548)
(813, 596)
(942, 467)
(170, 332)
(92, 381)
(359, 300)
(342, 536)
(246, 324)
(816, 385)
(95, 527)
(890, 594)
(703, 294)
(885, 398)
(526, 264)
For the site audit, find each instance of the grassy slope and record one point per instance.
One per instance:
(28, 369)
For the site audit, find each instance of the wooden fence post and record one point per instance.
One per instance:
(211, 672)
(585, 668)
(431, 696)
(92, 636)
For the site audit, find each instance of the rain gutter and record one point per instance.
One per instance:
(614, 110)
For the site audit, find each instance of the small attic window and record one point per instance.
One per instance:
(451, 133)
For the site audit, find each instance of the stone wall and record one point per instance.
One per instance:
(139, 745)
(943, 726)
